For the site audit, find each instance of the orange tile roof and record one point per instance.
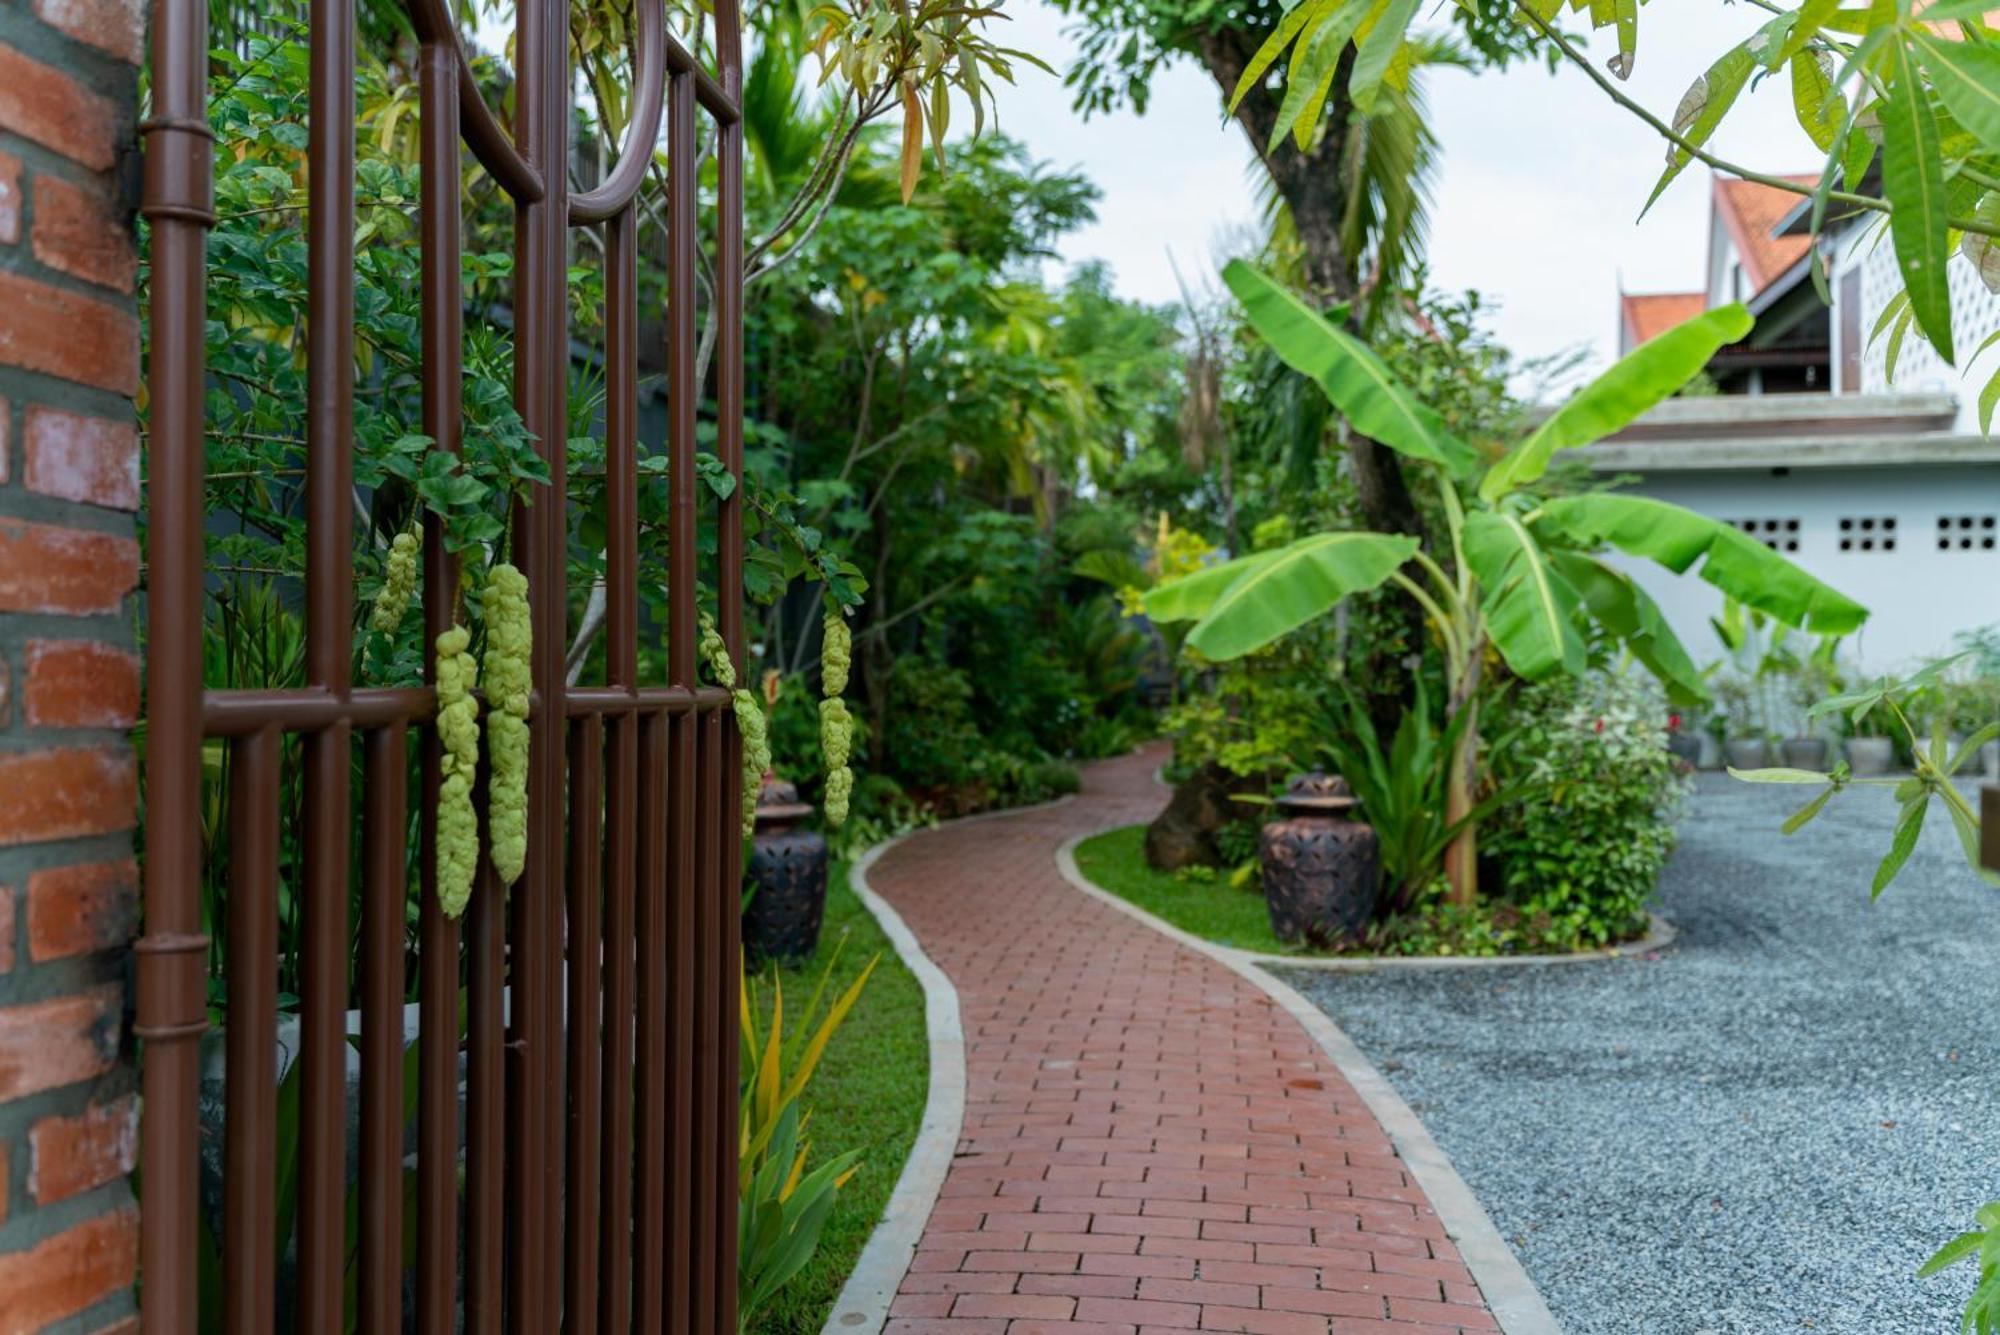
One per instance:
(1649, 313)
(1750, 210)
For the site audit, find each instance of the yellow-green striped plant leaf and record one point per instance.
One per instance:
(1297, 584)
(1967, 79)
(1350, 373)
(1702, 108)
(1530, 608)
(1740, 566)
(1633, 384)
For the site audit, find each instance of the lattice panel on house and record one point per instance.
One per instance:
(1975, 317)
(1780, 535)
(1968, 533)
(1868, 533)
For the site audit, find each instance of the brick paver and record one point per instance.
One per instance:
(1150, 1144)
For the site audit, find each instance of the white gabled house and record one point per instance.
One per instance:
(1887, 491)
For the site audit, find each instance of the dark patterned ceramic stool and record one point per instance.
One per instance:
(787, 878)
(1320, 869)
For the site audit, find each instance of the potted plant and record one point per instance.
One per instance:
(1683, 741)
(1745, 736)
(1812, 680)
(1870, 749)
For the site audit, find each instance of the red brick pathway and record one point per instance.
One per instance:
(1149, 1142)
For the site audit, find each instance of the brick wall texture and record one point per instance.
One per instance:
(69, 668)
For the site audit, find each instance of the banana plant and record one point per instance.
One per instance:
(1520, 573)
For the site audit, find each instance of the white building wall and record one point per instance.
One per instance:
(1975, 318)
(1840, 525)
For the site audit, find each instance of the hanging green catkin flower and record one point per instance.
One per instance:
(836, 655)
(836, 731)
(510, 638)
(458, 735)
(715, 653)
(839, 788)
(399, 581)
(756, 752)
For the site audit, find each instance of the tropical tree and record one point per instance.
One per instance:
(1522, 573)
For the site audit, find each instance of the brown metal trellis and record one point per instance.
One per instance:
(600, 1079)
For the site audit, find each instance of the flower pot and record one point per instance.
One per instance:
(788, 872)
(1686, 746)
(1870, 755)
(1989, 760)
(1320, 870)
(1804, 753)
(1748, 753)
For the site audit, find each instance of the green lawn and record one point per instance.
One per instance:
(1212, 909)
(868, 1093)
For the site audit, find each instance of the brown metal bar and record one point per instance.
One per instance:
(729, 595)
(385, 810)
(438, 936)
(621, 186)
(322, 1226)
(719, 102)
(586, 866)
(659, 1266)
(708, 1020)
(684, 1228)
(541, 379)
(485, 1112)
(312, 708)
(624, 795)
(170, 1011)
(626, 808)
(250, 1203)
(580, 700)
(682, 392)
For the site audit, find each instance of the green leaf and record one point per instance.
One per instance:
(1967, 79)
(1740, 566)
(1315, 61)
(1702, 108)
(1908, 826)
(1349, 372)
(1913, 178)
(1376, 49)
(1777, 774)
(1811, 17)
(1189, 597)
(1626, 612)
(1293, 586)
(1274, 46)
(1815, 101)
(1530, 609)
(1632, 385)
(1960, 1247)
(1798, 819)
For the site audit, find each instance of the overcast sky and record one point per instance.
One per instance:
(1537, 200)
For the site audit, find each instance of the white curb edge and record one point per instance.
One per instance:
(863, 1305)
(1511, 1296)
(1659, 935)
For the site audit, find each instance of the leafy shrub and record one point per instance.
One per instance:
(1581, 848)
(929, 738)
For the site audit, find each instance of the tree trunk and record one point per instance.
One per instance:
(1310, 182)
(1461, 855)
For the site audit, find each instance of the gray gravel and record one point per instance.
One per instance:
(1766, 1127)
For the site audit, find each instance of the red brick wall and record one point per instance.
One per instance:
(69, 676)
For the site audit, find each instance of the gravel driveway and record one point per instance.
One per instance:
(1765, 1128)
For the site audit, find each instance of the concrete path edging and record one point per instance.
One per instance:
(1511, 1296)
(862, 1306)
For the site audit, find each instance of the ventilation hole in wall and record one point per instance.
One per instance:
(1780, 535)
(1868, 533)
(1966, 533)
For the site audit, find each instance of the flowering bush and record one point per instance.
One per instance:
(1580, 852)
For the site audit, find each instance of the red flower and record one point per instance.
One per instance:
(1673, 723)
(1600, 725)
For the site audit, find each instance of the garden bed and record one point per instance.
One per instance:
(868, 1095)
(1214, 909)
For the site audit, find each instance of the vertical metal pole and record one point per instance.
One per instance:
(438, 936)
(170, 1001)
(322, 1227)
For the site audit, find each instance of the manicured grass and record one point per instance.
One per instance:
(867, 1094)
(1212, 909)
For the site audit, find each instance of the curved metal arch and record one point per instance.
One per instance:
(488, 139)
(658, 56)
